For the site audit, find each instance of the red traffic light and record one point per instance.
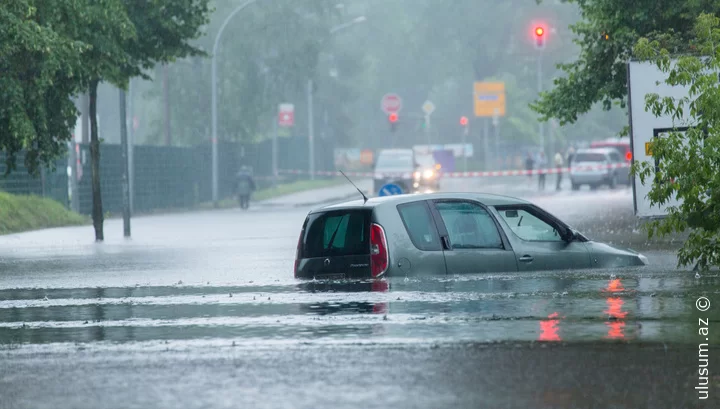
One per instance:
(539, 31)
(628, 155)
(463, 120)
(393, 117)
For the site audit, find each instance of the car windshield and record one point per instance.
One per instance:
(426, 161)
(395, 162)
(590, 157)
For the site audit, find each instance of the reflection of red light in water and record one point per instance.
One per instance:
(614, 310)
(615, 329)
(380, 286)
(549, 328)
(615, 286)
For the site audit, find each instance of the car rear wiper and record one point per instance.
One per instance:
(332, 238)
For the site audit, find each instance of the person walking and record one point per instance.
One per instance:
(245, 186)
(559, 162)
(541, 166)
(529, 165)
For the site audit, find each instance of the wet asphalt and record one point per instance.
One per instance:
(200, 310)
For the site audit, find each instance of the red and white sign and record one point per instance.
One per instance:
(391, 103)
(286, 115)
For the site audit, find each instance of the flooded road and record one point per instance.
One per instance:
(211, 295)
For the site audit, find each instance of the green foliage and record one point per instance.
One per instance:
(688, 162)
(599, 74)
(39, 69)
(23, 213)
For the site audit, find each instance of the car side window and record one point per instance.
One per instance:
(469, 225)
(529, 227)
(420, 226)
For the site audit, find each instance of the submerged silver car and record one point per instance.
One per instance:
(444, 233)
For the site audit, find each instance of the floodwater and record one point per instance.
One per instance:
(216, 280)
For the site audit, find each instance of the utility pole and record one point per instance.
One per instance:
(166, 105)
(496, 128)
(486, 145)
(541, 124)
(126, 170)
(131, 141)
(311, 130)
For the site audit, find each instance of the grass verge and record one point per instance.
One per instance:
(280, 190)
(20, 213)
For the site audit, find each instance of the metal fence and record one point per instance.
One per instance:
(163, 177)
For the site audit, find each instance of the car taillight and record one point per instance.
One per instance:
(297, 254)
(378, 251)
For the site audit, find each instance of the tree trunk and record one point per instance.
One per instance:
(97, 210)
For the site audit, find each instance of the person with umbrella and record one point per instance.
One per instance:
(245, 186)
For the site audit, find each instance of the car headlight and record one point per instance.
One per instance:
(416, 175)
(428, 174)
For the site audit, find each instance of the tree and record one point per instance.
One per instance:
(606, 35)
(125, 38)
(688, 162)
(39, 73)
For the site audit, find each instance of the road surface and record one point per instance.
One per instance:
(200, 310)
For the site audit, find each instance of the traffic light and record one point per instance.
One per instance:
(540, 35)
(464, 123)
(393, 118)
(605, 36)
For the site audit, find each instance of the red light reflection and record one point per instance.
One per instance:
(614, 311)
(380, 286)
(549, 328)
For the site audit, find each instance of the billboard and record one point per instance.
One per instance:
(646, 78)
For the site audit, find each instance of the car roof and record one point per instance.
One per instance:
(596, 150)
(396, 151)
(611, 141)
(484, 198)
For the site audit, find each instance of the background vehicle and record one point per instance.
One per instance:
(395, 166)
(444, 233)
(598, 157)
(621, 146)
(428, 173)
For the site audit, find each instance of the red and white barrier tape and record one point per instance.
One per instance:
(495, 173)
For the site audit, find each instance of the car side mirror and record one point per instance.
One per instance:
(570, 236)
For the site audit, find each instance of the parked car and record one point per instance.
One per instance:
(622, 146)
(597, 172)
(427, 174)
(395, 166)
(444, 233)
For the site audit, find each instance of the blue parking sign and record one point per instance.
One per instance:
(390, 189)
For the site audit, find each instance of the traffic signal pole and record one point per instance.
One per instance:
(541, 124)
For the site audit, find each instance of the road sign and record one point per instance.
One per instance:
(286, 115)
(390, 189)
(428, 107)
(391, 103)
(489, 99)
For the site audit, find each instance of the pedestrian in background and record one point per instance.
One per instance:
(529, 165)
(245, 186)
(570, 155)
(559, 162)
(541, 166)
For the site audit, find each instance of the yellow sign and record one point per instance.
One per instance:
(489, 99)
(648, 148)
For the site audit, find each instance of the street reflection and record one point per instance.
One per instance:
(325, 308)
(616, 315)
(549, 328)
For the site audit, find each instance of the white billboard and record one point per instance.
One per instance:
(646, 78)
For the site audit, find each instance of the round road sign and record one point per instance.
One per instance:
(391, 103)
(390, 189)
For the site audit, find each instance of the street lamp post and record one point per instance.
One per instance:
(214, 140)
(311, 117)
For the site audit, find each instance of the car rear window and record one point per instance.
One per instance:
(620, 148)
(395, 162)
(589, 157)
(337, 233)
(420, 225)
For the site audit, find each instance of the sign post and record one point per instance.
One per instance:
(391, 103)
(489, 102)
(286, 119)
(428, 108)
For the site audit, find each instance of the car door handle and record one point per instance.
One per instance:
(526, 258)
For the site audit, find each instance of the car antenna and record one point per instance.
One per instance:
(365, 199)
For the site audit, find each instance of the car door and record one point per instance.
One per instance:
(472, 239)
(536, 237)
